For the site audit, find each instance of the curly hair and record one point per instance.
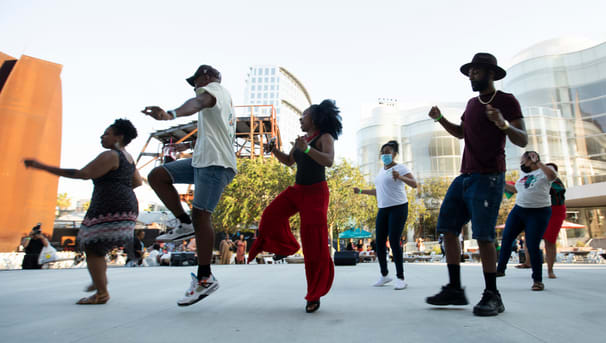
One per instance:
(326, 118)
(392, 144)
(123, 127)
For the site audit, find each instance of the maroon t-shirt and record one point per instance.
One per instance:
(484, 141)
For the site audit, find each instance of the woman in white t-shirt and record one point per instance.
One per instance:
(530, 214)
(393, 210)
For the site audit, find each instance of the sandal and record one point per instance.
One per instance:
(94, 299)
(523, 266)
(312, 306)
(538, 286)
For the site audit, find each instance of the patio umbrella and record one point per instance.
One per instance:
(355, 233)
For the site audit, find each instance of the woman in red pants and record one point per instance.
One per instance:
(309, 196)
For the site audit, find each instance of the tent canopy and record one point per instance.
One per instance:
(355, 233)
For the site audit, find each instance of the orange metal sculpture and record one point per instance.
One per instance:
(30, 127)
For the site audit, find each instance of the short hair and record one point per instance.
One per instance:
(393, 144)
(527, 153)
(124, 128)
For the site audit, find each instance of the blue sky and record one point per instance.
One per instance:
(120, 56)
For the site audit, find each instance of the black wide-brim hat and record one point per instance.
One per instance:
(484, 59)
(203, 70)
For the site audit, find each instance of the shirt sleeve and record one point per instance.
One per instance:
(403, 170)
(512, 111)
(213, 89)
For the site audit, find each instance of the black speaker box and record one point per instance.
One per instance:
(183, 259)
(346, 258)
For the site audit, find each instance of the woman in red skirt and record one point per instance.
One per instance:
(558, 214)
(309, 196)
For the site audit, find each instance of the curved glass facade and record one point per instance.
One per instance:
(425, 147)
(564, 102)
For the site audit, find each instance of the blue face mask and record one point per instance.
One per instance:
(386, 158)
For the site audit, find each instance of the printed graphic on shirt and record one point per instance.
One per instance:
(528, 181)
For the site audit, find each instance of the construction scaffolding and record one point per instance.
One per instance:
(256, 125)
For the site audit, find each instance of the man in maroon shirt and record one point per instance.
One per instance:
(477, 193)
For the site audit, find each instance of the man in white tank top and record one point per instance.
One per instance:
(211, 169)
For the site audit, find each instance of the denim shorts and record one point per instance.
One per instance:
(476, 197)
(209, 182)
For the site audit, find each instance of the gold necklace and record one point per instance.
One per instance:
(489, 101)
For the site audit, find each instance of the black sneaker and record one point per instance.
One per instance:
(448, 296)
(490, 305)
(500, 274)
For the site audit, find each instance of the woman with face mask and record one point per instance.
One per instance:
(112, 214)
(531, 214)
(393, 211)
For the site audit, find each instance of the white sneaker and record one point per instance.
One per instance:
(198, 290)
(400, 284)
(383, 280)
(182, 232)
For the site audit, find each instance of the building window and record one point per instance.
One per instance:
(273, 71)
(272, 87)
(252, 88)
(265, 87)
(273, 79)
(266, 71)
(252, 96)
(265, 95)
(267, 79)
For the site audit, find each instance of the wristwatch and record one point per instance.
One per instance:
(505, 126)
(173, 113)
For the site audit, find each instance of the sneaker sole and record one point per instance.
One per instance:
(178, 238)
(454, 303)
(488, 314)
(201, 296)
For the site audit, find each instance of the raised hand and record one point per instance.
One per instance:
(434, 113)
(534, 158)
(31, 163)
(156, 112)
(495, 116)
(301, 143)
(395, 174)
(356, 190)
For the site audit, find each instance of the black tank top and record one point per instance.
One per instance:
(308, 170)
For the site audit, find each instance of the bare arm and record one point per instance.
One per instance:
(550, 173)
(191, 106)
(453, 129)
(137, 179)
(324, 155)
(516, 130)
(365, 191)
(103, 164)
(408, 179)
(287, 159)
(510, 188)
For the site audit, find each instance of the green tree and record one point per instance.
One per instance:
(63, 202)
(257, 183)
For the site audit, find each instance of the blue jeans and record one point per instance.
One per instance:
(209, 182)
(476, 197)
(533, 221)
(390, 222)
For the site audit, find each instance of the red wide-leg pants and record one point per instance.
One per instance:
(275, 236)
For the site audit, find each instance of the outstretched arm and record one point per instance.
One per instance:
(191, 106)
(365, 191)
(103, 164)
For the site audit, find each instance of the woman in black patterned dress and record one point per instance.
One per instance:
(113, 210)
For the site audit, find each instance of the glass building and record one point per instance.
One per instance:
(425, 147)
(561, 86)
(274, 85)
(563, 96)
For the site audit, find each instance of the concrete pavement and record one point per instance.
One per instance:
(264, 303)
